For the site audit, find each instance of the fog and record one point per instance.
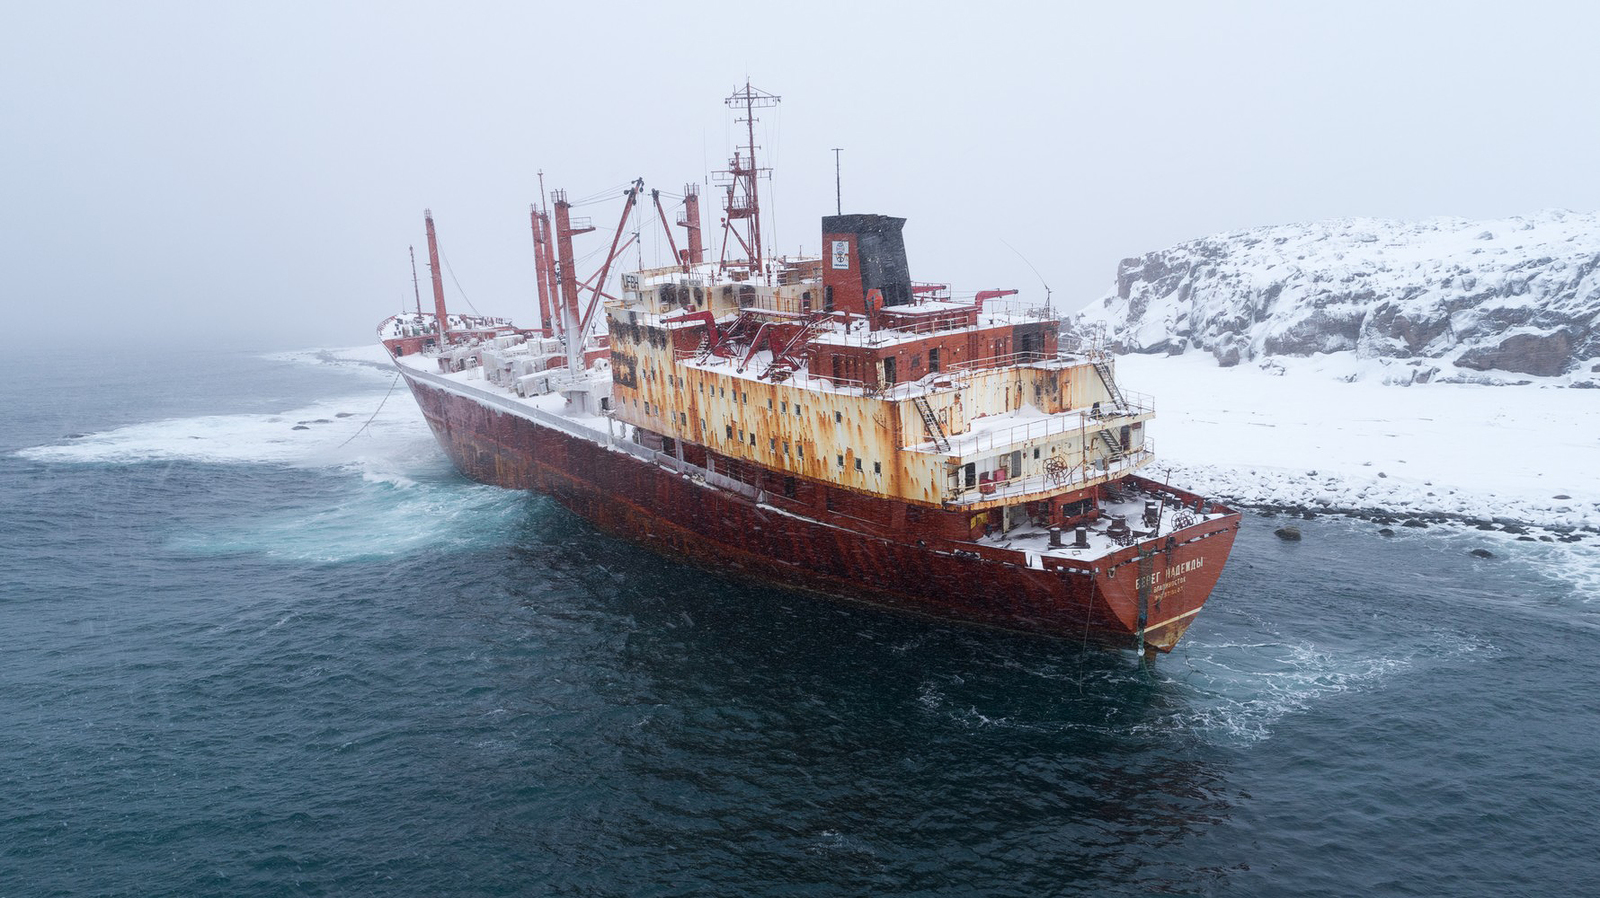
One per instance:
(252, 175)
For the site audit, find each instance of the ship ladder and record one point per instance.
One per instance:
(1113, 445)
(931, 422)
(1104, 368)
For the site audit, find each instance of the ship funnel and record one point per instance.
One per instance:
(865, 267)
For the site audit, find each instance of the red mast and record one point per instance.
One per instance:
(568, 277)
(541, 248)
(438, 281)
(743, 203)
(690, 221)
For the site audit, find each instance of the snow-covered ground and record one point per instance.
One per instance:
(1295, 432)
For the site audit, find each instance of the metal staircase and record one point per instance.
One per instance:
(1102, 364)
(931, 422)
(1113, 445)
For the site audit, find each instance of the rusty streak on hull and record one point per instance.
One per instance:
(686, 518)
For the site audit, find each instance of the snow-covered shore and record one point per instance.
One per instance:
(1296, 433)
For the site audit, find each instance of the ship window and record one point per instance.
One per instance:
(730, 431)
(744, 397)
(752, 438)
(786, 408)
(889, 371)
(785, 447)
(1036, 452)
(683, 418)
(969, 474)
(838, 417)
(800, 449)
(797, 409)
(858, 466)
(722, 392)
(841, 461)
(877, 467)
(933, 360)
(827, 299)
(772, 444)
(741, 434)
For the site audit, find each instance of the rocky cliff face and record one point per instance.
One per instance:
(1455, 297)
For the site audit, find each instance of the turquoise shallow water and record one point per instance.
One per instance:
(245, 659)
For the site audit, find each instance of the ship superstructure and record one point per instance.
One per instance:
(829, 423)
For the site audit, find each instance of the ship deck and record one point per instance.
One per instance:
(1026, 539)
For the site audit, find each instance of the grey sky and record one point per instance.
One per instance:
(257, 171)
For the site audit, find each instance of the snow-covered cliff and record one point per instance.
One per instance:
(1444, 299)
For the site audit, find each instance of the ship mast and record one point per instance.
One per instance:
(416, 289)
(742, 202)
(567, 277)
(443, 319)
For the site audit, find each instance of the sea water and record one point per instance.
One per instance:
(258, 638)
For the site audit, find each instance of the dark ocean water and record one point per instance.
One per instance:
(243, 659)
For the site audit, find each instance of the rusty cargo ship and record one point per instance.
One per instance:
(825, 423)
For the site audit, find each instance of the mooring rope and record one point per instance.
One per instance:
(374, 417)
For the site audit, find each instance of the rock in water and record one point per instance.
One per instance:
(1481, 553)
(1288, 532)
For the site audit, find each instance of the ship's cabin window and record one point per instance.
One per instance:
(785, 408)
(752, 438)
(889, 371)
(683, 418)
(605, 403)
(1036, 452)
(838, 417)
(797, 409)
(772, 444)
(769, 403)
(877, 467)
(800, 450)
(841, 461)
(730, 431)
(858, 466)
(933, 360)
(969, 474)
(744, 397)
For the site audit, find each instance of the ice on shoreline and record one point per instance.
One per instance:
(1293, 434)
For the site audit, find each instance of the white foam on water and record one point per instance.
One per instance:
(374, 521)
(1238, 692)
(402, 495)
(380, 434)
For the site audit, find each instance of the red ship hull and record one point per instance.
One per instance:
(1145, 595)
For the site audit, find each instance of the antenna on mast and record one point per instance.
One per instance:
(838, 196)
(743, 202)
